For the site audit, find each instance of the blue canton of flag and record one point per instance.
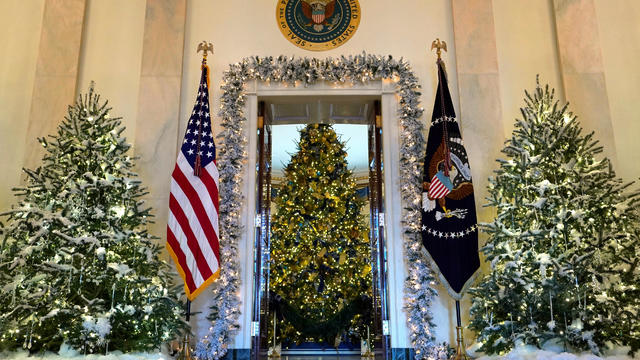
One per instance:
(198, 138)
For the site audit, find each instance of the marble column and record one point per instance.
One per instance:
(583, 70)
(620, 39)
(19, 43)
(480, 113)
(159, 103)
(56, 71)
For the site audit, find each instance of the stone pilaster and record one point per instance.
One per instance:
(159, 103)
(583, 69)
(56, 71)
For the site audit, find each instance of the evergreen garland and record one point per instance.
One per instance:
(328, 328)
(419, 286)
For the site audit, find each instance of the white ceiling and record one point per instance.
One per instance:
(348, 114)
(285, 137)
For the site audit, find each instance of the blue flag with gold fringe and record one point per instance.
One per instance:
(449, 224)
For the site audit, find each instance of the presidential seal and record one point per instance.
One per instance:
(318, 24)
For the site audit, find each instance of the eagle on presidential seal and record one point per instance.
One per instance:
(448, 181)
(318, 12)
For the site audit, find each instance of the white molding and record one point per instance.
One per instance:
(396, 267)
(245, 245)
(322, 87)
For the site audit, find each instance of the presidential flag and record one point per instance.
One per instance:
(449, 225)
(192, 229)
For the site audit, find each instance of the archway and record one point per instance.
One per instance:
(403, 141)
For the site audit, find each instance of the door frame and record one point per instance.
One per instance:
(391, 221)
(262, 244)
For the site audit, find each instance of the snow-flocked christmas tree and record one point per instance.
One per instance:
(564, 248)
(77, 265)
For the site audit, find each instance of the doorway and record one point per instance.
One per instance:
(277, 115)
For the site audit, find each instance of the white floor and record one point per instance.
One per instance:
(311, 357)
(522, 353)
(532, 353)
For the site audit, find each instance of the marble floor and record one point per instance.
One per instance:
(320, 357)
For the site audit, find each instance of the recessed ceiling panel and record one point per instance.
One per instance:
(286, 137)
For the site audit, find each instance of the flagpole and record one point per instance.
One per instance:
(458, 313)
(439, 45)
(461, 353)
(185, 353)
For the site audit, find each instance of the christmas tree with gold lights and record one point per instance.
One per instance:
(320, 253)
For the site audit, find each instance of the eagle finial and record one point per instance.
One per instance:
(205, 47)
(439, 45)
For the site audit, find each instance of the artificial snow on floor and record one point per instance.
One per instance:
(533, 353)
(68, 353)
(519, 353)
(116, 355)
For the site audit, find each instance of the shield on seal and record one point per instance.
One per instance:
(318, 16)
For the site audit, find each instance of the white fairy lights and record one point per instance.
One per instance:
(419, 290)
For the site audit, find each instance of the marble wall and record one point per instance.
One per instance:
(54, 86)
(112, 55)
(480, 117)
(142, 55)
(159, 101)
(583, 69)
(619, 32)
(526, 46)
(17, 74)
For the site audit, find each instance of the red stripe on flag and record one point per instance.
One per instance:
(210, 183)
(181, 259)
(198, 209)
(439, 190)
(442, 192)
(435, 187)
(182, 219)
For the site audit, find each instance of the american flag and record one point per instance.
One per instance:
(192, 229)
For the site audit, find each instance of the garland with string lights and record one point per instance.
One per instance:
(419, 286)
(328, 328)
